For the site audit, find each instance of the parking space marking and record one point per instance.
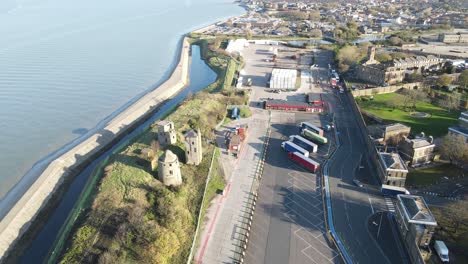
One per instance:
(297, 195)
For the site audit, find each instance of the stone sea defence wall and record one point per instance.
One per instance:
(22, 214)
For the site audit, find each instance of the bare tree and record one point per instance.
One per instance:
(458, 214)
(451, 102)
(454, 148)
(413, 97)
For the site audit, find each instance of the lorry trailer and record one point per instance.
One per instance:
(312, 128)
(304, 161)
(393, 190)
(313, 136)
(304, 143)
(291, 147)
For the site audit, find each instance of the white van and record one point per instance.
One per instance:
(442, 250)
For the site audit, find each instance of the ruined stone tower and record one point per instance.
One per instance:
(169, 169)
(166, 133)
(371, 56)
(193, 147)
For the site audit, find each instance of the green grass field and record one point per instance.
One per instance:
(429, 176)
(436, 125)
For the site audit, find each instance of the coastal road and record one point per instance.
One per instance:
(352, 206)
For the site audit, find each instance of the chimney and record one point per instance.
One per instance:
(430, 139)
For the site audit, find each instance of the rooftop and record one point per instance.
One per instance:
(290, 103)
(283, 79)
(393, 161)
(164, 123)
(459, 130)
(416, 210)
(395, 127)
(191, 133)
(420, 142)
(168, 156)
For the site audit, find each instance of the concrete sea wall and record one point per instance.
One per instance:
(23, 213)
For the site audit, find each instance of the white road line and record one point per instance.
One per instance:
(370, 202)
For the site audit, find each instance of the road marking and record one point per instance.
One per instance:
(205, 243)
(390, 205)
(370, 202)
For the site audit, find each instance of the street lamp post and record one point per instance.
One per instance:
(380, 224)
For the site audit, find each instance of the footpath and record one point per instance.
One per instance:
(17, 221)
(222, 234)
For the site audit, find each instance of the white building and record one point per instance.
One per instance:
(283, 79)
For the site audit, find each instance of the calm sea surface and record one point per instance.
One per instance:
(65, 66)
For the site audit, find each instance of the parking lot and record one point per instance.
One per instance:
(289, 226)
(258, 67)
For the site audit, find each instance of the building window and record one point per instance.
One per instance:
(170, 172)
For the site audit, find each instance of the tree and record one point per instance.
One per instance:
(413, 97)
(348, 55)
(415, 77)
(383, 57)
(444, 80)
(248, 34)
(458, 214)
(314, 15)
(463, 79)
(454, 148)
(451, 101)
(395, 41)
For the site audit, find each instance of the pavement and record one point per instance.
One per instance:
(221, 236)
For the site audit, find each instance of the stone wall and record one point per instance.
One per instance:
(26, 209)
(386, 89)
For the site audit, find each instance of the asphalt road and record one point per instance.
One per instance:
(288, 225)
(352, 206)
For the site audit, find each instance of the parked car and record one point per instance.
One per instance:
(358, 183)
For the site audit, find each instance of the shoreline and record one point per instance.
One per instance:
(22, 214)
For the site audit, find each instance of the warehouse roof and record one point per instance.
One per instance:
(283, 79)
(289, 103)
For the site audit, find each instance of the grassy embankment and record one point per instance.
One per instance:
(133, 217)
(435, 125)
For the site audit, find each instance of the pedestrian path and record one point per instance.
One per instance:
(222, 233)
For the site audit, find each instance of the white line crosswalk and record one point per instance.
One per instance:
(390, 205)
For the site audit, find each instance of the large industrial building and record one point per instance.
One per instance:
(283, 79)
